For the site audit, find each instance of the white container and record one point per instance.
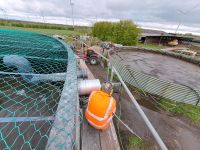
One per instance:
(86, 87)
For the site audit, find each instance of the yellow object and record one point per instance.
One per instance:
(100, 110)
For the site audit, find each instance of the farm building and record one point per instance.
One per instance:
(163, 39)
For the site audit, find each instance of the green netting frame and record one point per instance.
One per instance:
(38, 92)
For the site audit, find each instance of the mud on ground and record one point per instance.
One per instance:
(162, 67)
(176, 132)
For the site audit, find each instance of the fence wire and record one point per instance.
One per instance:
(166, 89)
(167, 95)
(34, 75)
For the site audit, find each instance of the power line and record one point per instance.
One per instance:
(184, 13)
(43, 18)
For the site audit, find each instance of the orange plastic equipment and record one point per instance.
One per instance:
(100, 110)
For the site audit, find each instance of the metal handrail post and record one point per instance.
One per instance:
(144, 117)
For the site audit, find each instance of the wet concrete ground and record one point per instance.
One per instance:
(163, 67)
(176, 133)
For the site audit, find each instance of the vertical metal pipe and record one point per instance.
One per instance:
(144, 117)
(111, 75)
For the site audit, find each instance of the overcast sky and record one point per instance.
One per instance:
(162, 14)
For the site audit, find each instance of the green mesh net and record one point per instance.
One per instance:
(35, 109)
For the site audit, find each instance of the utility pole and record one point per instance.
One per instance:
(3, 13)
(43, 17)
(178, 27)
(72, 7)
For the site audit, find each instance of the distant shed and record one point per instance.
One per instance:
(163, 39)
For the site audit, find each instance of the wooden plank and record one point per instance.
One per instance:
(93, 139)
(109, 140)
(90, 137)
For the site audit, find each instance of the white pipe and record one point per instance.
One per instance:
(85, 87)
(144, 117)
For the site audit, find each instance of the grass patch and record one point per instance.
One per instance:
(190, 111)
(150, 46)
(45, 28)
(133, 141)
(43, 31)
(137, 144)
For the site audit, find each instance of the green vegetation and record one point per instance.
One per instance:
(190, 111)
(44, 28)
(150, 46)
(123, 32)
(83, 30)
(43, 31)
(133, 140)
(136, 143)
(103, 30)
(24, 24)
(129, 141)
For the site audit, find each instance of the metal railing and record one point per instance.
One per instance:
(155, 86)
(181, 94)
(139, 109)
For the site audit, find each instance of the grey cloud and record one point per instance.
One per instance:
(137, 10)
(165, 10)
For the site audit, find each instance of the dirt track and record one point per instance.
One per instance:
(163, 67)
(176, 133)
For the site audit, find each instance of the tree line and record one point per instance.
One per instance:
(30, 25)
(122, 32)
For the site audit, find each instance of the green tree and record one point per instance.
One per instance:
(103, 30)
(123, 32)
(126, 33)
